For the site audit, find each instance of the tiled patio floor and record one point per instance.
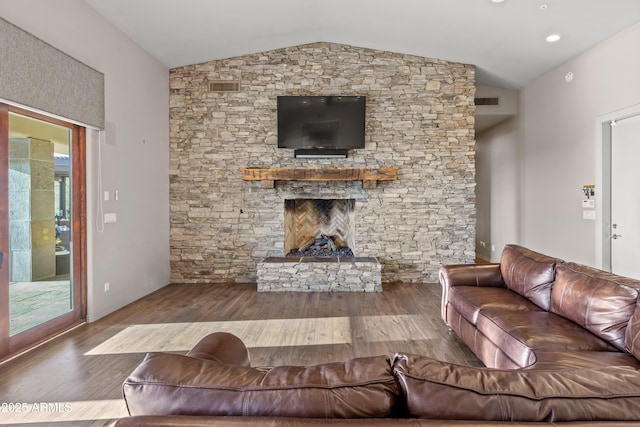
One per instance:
(32, 303)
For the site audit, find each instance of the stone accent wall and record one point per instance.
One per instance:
(331, 274)
(420, 120)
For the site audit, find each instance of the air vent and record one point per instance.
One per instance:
(224, 86)
(487, 101)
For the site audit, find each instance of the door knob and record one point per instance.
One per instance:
(616, 236)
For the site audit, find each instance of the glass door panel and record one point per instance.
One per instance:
(40, 238)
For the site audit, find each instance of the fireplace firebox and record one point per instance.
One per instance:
(319, 227)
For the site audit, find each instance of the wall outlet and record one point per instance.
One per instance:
(493, 248)
(110, 217)
(106, 286)
(483, 244)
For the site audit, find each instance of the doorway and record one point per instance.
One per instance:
(625, 200)
(42, 270)
(618, 213)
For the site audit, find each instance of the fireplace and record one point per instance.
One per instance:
(319, 227)
(315, 214)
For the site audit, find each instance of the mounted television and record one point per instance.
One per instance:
(321, 125)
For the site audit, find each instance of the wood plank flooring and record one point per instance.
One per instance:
(76, 379)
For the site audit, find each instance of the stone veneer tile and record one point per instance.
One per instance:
(420, 120)
(316, 274)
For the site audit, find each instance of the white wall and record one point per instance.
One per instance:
(132, 254)
(555, 141)
(497, 189)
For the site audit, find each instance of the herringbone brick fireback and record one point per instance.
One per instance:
(306, 219)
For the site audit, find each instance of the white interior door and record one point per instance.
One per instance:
(625, 197)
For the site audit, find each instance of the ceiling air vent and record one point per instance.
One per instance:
(487, 101)
(224, 86)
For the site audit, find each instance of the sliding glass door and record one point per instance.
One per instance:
(41, 229)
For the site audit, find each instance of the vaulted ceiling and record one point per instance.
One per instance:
(505, 39)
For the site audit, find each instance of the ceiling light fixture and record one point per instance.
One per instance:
(497, 1)
(552, 38)
(543, 7)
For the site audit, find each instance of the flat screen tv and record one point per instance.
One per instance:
(321, 122)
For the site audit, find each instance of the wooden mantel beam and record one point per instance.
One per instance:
(369, 177)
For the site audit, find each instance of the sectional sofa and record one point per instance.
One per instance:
(561, 343)
(538, 312)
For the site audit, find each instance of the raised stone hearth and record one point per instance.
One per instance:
(327, 274)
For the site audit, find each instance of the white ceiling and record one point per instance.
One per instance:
(505, 41)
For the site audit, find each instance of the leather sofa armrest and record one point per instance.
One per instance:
(222, 347)
(467, 275)
(471, 275)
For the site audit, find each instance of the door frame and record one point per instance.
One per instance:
(12, 345)
(603, 182)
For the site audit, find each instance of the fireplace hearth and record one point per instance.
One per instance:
(325, 274)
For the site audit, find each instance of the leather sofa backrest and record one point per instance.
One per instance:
(528, 273)
(598, 301)
(445, 391)
(173, 384)
(632, 335)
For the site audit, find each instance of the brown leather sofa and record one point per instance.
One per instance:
(537, 312)
(561, 342)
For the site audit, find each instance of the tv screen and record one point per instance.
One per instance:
(321, 122)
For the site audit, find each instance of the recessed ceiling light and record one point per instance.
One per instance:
(552, 38)
(543, 7)
(497, 1)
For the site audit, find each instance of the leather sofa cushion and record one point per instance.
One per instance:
(469, 300)
(172, 384)
(632, 333)
(440, 390)
(528, 273)
(573, 359)
(520, 333)
(598, 301)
